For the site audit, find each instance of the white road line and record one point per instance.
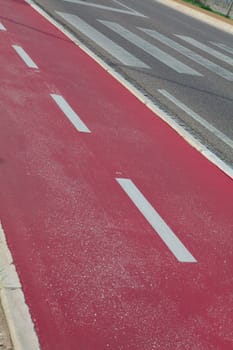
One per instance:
(108, 45)
(150, 49)
(129, 8)
(18, 317)
(25, 57)
(2, 27)
(223, 47)
(199, 119)
(224, 73)
(70, 113)
(103, 7)
(207, 49)
(155, 220)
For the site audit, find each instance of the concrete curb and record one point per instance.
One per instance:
(198, 14)
(16, 311)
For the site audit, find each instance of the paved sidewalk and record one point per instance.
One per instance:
(5, 342)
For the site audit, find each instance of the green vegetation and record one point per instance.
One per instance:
(199, 4)
(205, 7)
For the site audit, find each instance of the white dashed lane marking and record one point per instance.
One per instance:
(159, 225)
(25, 57)
(2, 27)
(199, 119)
(70, 113)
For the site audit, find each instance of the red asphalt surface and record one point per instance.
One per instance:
(94, 272)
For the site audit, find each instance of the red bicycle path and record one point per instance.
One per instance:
(94, 272)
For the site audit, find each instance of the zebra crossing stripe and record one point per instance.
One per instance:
(152, 50)
(224, 73)
(223, 47)
(107, 44)
(207, 49)
(107, 8)
(127, 7)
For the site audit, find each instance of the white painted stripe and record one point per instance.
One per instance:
(155, 220)
(25, 57)
(167, 118)
(108, 45)
(199, 119)
(18, 317)
(103, 7)
(70, 113)
(224, 73)
(207, 49)
(150, 49)
(128, 8)
(223, 47)
(2, 26)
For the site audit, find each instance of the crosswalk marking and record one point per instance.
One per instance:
(107, 8)
(199, 119)
(224, 73)
(150, 49)
(207, 49)
(108, 45)
(223, 47)
(155, 220)
(127, 7)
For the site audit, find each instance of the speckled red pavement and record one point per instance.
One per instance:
(94, 272)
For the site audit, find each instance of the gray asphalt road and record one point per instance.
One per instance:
(184, 65)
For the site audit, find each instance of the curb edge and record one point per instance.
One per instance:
(19, 322)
